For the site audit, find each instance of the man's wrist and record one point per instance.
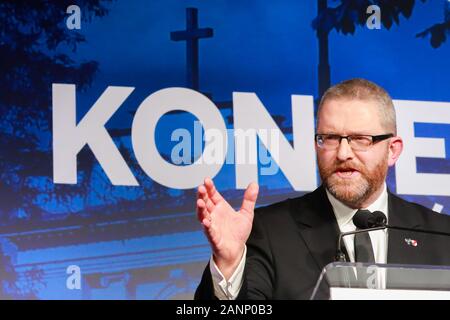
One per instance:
(227, 268)
(228, 289)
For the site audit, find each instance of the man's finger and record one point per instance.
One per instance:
(213, 194)
(202, 207)
(250, 196)
(203, 194)
(202, 211)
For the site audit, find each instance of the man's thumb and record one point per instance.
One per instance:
(250, 195)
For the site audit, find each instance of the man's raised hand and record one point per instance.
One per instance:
(227, 230)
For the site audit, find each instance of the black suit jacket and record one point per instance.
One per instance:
(293, 240)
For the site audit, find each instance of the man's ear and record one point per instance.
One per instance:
(395, 149)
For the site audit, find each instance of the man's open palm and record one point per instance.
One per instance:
(226, 229)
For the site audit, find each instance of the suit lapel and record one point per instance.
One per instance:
(399, 250)
(319, 230)
(317, 226)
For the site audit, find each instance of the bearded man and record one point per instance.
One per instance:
(279, 251)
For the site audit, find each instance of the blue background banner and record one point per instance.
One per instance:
(93, 239)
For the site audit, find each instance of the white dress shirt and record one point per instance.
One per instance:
(344, 216)
(229, 290)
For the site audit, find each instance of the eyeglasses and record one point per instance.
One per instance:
(358, 142)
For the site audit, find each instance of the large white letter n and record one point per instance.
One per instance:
(69, 138)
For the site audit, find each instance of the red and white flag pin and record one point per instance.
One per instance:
(411, 242)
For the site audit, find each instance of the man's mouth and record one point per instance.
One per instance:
(347, 172)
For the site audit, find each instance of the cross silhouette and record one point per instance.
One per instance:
(191, 36)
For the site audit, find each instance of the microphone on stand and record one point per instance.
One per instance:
(381, 218)
(367, 221)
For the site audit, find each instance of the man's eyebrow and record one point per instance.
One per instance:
(359, 134)
(355, 133)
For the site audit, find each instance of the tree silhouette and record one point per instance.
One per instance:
(35, 51)
(439, 31)
(345, 15)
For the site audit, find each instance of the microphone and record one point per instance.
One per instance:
(365, 221)
(382, 221)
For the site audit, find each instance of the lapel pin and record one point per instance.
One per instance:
(411, 242)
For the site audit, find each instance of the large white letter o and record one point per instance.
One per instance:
(143, 136)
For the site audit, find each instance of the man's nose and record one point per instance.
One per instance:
(344, 151)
